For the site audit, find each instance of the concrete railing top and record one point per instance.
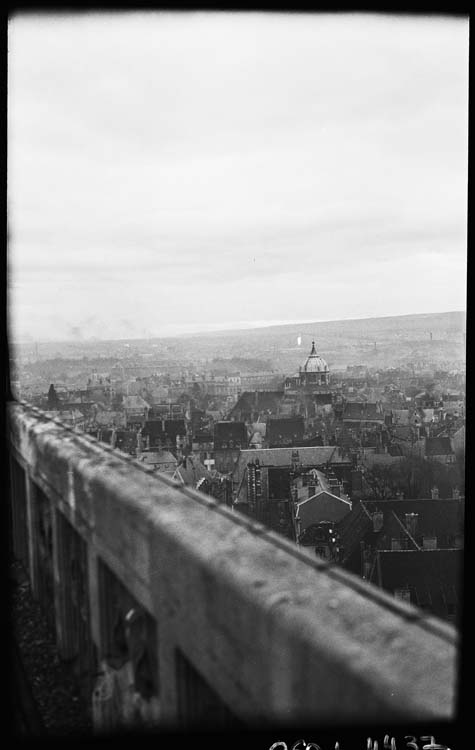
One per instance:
(278, 632)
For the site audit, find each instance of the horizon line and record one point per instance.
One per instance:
(239, 328)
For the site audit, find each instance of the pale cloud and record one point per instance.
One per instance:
(205, 167)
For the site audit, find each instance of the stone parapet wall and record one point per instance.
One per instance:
(184, 610)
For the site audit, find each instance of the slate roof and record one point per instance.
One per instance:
(158, 457)
(460, 433)
(381, 459)
(320, 481)
(313, 456)
(153, 428)
(260, 427)
(173, 427)
(438, 446)
(322, 398)
(353, 528)
(203, 436)
(71, 414)
(126, 440)
(135, 419)
(230, 435)
(196, 416)
(82, 406)
(402, 432)
(395, 450)
(215, 414)
(256, 439)
(251, 401)
(135, 402)
(400, 416)
(364, 411)
(190, 471)
(433, 576)
(109, 417)
(327, 492)
(442, 517)
(105, 435)
(286, 431)
(313, 440)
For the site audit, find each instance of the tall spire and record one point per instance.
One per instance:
(314, 351)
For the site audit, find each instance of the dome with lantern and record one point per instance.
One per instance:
(314, 375)
(315, 363)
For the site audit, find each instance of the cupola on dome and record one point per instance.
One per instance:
(314, 362)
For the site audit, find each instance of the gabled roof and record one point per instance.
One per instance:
(320, 493)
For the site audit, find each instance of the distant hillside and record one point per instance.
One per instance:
(379, 342)
(423, 323)
(435, 338)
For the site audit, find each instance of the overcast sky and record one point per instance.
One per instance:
(172, 173)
